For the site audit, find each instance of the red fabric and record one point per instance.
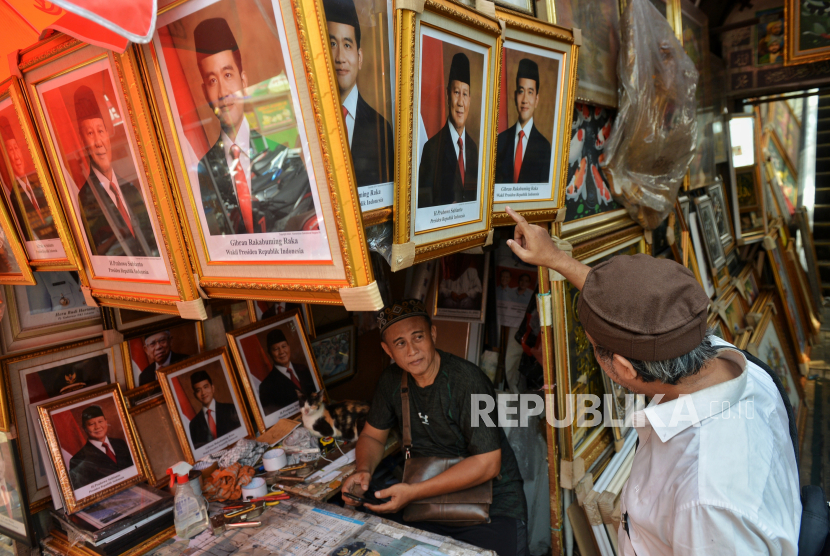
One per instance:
(243, 192)
(256, 357)
(517, 162)
(137, 353)
(109, 452)
(433, 87)
(191, 123)
(184, 402)
(92, 33)
(211, 423)
(37, 391)
(135, 16)
(67, 429)
(503, 95)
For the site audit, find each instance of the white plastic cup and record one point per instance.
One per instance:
(274, 460)
(255, 489)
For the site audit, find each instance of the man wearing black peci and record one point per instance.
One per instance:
(233, 171)
(522, 152)
(448, 172)
(159, 354)
(370, 135)
(28, 200)
(215, 419)
(278, 390)
(101, 456)
(112, 209)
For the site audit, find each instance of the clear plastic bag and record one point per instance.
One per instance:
(655, 131)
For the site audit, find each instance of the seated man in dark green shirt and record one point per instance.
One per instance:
(441, 387)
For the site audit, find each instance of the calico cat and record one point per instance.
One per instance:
(342, 420)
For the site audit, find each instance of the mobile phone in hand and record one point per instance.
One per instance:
(368, 498)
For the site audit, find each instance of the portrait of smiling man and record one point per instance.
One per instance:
(102, 455)
(214, 419)
(522, 152)
(112, 209)
(448, 172)
(370, 135)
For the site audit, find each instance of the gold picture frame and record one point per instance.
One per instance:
(542, 42)
(793, 52)
(216, 363)
(328, 259)
(158, 434)
(57, 253)
(48, 313)
(194, 341)
(75, 481)
(32, 378)
(144, 263)
(256, 365)
(568, 334)
(455, 211)
(790, 302)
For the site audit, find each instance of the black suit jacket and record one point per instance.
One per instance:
(271, 211)
(31, 225)
(226, 421)
(439, 179)
(102, 238)
(148, 375)
(90, 464)
(535, 161)
(277, 390)
(373, 146)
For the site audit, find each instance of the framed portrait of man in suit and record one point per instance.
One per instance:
(537, 88)
(262, 160)
(41, 376)
(275, 361)
(361, 38)
(446, 141)
(155, 347)
(27, 188)
(92, 446)
(205, 403)
(110, 179)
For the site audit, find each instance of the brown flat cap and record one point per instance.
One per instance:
(643, 308)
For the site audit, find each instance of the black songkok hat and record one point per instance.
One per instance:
(528, 70)
(6, 129)
(199, 376)
(400, 310)
(274, 337)
(91, 412)
(86, 107)
(343, 11)
(213, 36)
(460, 69)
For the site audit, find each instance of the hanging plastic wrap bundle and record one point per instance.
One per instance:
(654, 137)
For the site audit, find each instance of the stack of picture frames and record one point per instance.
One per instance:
(501, 90)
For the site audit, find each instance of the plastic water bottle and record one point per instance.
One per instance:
(191, 512)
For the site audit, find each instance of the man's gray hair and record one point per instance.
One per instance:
(670, 371)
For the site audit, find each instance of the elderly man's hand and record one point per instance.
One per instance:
(402, 495)
(533, 244)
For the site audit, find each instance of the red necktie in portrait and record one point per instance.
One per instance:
(517, 163)
(211, 423)
(461, 158)
(110, 453)
(345, 111)
(294, 378)
(243, 193)
(31, 194)
(121, 208)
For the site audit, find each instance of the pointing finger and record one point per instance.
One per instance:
(518, 218)
(520, 251)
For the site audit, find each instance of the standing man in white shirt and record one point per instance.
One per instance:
(112, 209)
(373, 149)
(522, 152)
(715, 470)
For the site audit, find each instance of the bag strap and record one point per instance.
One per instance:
(407, 426)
